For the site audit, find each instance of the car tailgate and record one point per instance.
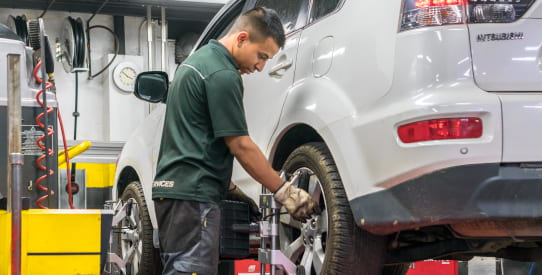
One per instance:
(508, 56)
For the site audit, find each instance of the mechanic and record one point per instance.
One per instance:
(204, 129)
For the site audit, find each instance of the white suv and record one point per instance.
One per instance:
(417, 123)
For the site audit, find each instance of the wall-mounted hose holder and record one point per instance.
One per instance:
(72, 44)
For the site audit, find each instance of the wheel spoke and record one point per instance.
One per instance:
(319, 255)
(128, 256)
(294, 248)
(132, 222)
(314, 187)
(140, 248)
(306, 261)
(134, 217)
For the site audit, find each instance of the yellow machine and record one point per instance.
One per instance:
(35, 238)
(56, 241)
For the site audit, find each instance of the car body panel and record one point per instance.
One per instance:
(522, 135)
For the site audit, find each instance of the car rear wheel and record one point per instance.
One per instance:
(135, 244)
(330, 243)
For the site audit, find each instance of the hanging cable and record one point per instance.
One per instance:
(90, 76)
(78, 62)
(69, 186)
(46, 9)
(117, 45)
(75, 116)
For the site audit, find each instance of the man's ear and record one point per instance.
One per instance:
(242, 38)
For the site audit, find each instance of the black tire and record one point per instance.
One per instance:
(344, 247)
(138, 235)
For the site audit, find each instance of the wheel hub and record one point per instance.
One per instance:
(310, 231)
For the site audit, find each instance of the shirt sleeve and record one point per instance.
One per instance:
(225, 101)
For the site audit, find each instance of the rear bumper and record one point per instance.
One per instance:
(463, 193)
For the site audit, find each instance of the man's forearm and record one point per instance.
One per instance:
(254, 162)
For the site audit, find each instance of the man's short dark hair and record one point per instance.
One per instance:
(261, 23)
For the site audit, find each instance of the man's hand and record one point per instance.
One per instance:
(236, 194)
(297, 201)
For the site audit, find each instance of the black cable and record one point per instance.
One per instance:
(76, 112)
(24, 28)
(49, 59)
(46, 9)
(21, 28)
(88, 35)
(271, 215)
(18, 26)
(75, 116)
(117, 43)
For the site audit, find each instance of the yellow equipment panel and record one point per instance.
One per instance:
(59, 241)
(5, 242)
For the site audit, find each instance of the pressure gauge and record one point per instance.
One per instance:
(124, 76)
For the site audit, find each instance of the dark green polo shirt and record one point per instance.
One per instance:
(205, 104)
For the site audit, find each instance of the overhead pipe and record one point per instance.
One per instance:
(164, 40)
(149, 38)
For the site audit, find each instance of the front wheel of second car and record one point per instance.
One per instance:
(330, 243)
(135, 244)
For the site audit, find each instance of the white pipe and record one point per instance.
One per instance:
(149, 39)
(163, 66)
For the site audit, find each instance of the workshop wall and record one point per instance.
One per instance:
(106, 113)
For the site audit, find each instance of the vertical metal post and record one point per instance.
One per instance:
(274, 239)
(15, 159)
(16, 163)
(149, 38)
(262, 239)
(164, 39)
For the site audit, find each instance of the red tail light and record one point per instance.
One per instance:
(427, 13)
(438, 129)
(437, 3)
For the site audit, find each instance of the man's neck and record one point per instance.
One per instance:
(228, 42)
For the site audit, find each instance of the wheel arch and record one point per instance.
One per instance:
(292, 138)
(126, 176)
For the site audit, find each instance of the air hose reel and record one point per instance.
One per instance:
(71, 46)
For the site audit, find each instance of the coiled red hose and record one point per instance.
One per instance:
(50, 152)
